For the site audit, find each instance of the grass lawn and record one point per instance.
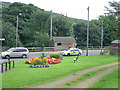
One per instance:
(109, 81)
(88, 75)
(23, 76)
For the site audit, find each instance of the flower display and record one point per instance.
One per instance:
(53, 61)
(37, 61)
(56, 55)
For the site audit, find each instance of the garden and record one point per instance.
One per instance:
(23, 76)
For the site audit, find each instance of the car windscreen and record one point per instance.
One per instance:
(10, 50)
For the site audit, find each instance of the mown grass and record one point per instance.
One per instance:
(109, 81)
(88, 75)
(23, 76)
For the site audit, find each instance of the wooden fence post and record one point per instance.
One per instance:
(9, 65)
(2, 68)
(13, 64)
(5, 66)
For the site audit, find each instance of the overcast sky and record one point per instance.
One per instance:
(73, 8)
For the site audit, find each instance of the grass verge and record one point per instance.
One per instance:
(109, 81)
(88, 75)
(23, 76)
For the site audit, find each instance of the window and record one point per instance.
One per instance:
(58, 44)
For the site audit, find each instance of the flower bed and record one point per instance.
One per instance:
(42, 61)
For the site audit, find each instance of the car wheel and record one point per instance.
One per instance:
(7, 56)
(68, 54)
(24, 56)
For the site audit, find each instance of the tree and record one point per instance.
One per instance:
(9, 33)
(61, 26)
(80, 33)
(110, 27)
(95, 33)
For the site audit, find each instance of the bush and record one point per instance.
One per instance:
(36, 61)
(56, 55)
(105, 52)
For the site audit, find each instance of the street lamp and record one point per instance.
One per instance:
(17, 29)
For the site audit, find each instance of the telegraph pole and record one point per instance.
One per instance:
(87, 33)
(17, 31)
(51, 25)
(102, 37)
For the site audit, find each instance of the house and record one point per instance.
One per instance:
(115, 43)
(114, 49)
(62, 43)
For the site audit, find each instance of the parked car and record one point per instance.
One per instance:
(72, 51)
(15, 52)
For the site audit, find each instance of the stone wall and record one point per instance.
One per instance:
(114, 50)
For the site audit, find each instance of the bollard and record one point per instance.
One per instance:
(74, 60)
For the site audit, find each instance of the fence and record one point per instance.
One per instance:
(6, 64)
(93, 47)
(39, 49)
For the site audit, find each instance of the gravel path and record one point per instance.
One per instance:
(61, 82)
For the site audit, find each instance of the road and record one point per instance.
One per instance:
(38, 54)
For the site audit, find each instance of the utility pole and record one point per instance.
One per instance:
(102, 37)
(17, 30)
(51, 25)
(87, 33)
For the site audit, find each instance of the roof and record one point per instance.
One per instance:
(116, 41)
(2, 39)
(63, 39)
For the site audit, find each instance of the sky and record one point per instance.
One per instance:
(71, 8)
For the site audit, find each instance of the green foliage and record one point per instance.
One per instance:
(61, 26)
(34, 26)
(9, 33)
(95, 33)
(43, 55)
(36, 62)
(105, 52)
(110, 29)
(56, 55)
(80, 33)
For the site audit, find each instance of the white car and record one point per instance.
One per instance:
(15, 52)
(72, 51)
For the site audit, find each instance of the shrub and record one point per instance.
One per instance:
(43, 55)
(37, 61)
(56, 55)
(105, 52)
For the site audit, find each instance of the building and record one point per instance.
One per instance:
(114, 49)
(62, 43)
(115, 43)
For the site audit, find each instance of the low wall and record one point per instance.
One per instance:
(114, 50)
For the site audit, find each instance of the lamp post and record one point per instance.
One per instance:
(51, 25)
(17, 30)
